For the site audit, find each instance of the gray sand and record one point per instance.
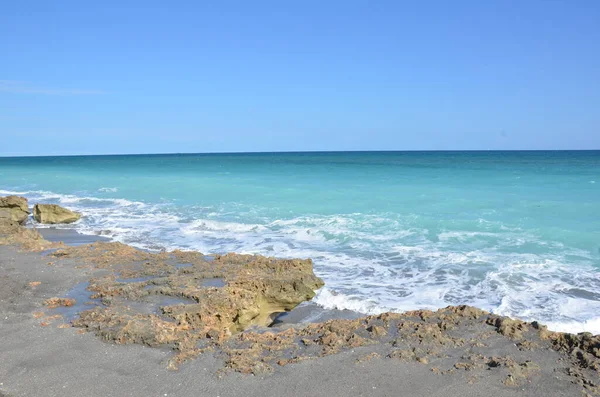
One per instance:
(69, 237)
(38, 360)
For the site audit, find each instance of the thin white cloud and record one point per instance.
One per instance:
(21, 87)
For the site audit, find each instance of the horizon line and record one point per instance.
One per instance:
(298, 152)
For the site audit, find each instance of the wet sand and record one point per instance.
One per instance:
(68, 236)
(42, 355)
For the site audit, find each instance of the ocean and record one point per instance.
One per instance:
(516, 233)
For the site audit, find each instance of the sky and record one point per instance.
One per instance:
(113, 77)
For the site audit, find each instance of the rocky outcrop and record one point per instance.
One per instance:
(52, 214)
(11, 233)
(224, 295)
(223, 304)
(13, 214)
(14, 209)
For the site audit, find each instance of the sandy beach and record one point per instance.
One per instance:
(339, 198)
(479, 354)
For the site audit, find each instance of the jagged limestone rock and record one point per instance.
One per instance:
(52, 214)
(14, 209)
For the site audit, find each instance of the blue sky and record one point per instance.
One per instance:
(146, 77)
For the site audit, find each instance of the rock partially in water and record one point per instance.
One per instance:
(55, 302)
(228, 294)
(54, 214)
(13, 209)
(78, 299)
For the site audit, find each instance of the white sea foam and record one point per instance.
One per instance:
(374, 263)
(591, 325)
(44, 196)
(333, 300)
(108, 189)
(209, 226)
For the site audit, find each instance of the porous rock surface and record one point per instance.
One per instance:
(13, 209)
(224, 295)
(12, 233)
(54, 214)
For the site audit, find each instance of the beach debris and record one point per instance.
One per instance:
(55, 302)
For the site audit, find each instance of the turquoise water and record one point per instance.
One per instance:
(517, 233)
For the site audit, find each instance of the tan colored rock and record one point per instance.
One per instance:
(14, 213)
(14, 209)
(52, 214)
(56, 302)
(223, 296)
(11, 233)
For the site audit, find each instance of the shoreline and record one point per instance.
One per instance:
(70, 237)
(514, 281)
(306, 312)
(453, 351)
